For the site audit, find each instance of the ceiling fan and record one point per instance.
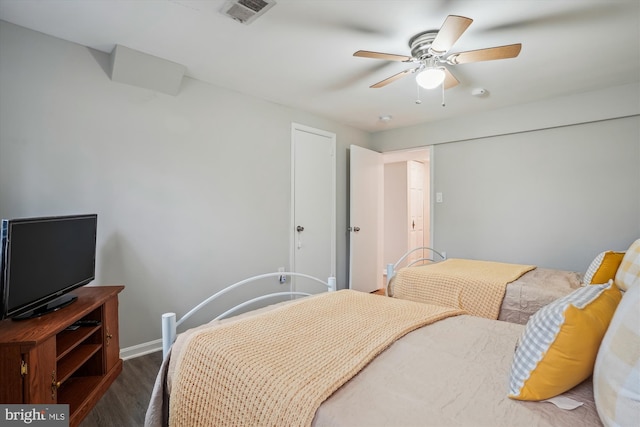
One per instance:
(429, 51)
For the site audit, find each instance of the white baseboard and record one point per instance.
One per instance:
(141, 349)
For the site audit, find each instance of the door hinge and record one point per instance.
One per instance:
(23, 368)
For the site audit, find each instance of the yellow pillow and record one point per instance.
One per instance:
(558, 347)
(629, 271)
(603, 268)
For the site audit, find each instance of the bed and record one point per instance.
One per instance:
(528, 289)
(372, 360)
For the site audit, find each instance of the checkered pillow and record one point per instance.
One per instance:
(603, 268)
(616, 377)
(629, 271)
(558, 347)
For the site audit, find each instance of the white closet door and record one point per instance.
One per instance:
(313, 219)
(415, 196)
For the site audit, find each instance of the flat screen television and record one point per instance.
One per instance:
(42, 260)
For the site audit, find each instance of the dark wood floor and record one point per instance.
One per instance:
(126, 401)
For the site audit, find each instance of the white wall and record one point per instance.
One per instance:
(551, 183)
(614, 102)
(191, 191)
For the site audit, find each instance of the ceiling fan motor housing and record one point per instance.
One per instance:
(420, 44)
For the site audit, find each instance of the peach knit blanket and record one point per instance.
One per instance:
(276, 368)
(475, 286)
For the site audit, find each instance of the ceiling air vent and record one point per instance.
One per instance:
(246, 11)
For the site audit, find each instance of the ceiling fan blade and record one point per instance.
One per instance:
(449, 79)
(392, 78)
(488, 54)
(449, 33)
(379, 55)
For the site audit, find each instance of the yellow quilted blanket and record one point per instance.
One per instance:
(276, 368)
(475, 286)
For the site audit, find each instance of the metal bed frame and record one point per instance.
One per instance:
(392, 268)
(170, 324)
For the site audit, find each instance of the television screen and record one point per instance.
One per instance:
(43, 259)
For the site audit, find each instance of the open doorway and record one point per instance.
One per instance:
(389, 211)
(407, 203)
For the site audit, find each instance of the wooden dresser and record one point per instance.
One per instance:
(44, 362)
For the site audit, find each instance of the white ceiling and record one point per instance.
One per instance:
(299, 53)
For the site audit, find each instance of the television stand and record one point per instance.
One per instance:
(44, 362)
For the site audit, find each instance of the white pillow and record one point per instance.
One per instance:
(628, 273)
(616, 376)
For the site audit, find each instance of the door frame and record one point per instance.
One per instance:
(297, 127)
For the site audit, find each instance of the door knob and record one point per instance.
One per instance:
(299, 229)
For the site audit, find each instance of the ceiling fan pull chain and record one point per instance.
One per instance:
(442, 85)
(418, 101)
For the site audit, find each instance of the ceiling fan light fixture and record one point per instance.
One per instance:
(430, 78)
